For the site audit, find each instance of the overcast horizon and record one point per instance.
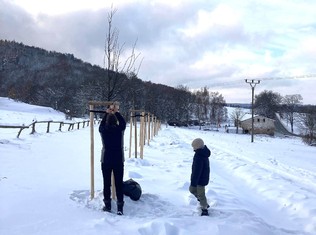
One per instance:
(199, 43)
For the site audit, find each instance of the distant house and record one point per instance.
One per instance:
(262, 125)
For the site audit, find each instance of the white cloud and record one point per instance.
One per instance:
(222, 16)
(192, 42)
(58, 7)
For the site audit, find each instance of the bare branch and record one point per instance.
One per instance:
(112, 60)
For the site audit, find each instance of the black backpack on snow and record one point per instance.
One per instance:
(132, 189)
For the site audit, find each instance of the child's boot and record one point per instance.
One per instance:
(204, 212)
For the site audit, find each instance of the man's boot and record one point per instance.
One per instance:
(120, 208)
(107, 206)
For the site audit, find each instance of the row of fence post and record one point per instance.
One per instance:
(148, 128)
(33, 126)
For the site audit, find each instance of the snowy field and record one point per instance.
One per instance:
(267, 187)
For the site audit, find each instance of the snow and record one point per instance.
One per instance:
(298, 127)
(267, 187)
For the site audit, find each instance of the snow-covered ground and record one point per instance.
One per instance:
(267, 187)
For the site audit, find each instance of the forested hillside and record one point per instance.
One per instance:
(61, 81)
(36, 76)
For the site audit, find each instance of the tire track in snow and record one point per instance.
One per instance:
(286, 172)
(270, 183)
(271, 186)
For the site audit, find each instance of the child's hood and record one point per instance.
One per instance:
(203, 152)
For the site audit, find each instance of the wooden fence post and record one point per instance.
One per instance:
(91, 123)
(33, 128)
(152, 126)
(130, 135)
(149, 125)
(142, 131)
(48, 124)
(145, 127)
(142, 134)
(91, 152)
(155, 127)
(21, 129)
(135, 130)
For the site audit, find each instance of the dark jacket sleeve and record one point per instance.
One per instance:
(197, 167)
(122, 122)
(102, 124)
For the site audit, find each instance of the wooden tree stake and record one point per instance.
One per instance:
(91, 152)
(91, 108)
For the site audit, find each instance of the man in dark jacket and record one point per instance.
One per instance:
(200, 173)
(112, 159)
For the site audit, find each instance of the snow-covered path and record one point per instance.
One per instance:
(261, 182)
(278, 180)
(256, 188)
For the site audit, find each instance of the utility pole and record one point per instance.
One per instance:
(253, 84)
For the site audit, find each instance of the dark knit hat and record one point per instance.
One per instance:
(197, 144)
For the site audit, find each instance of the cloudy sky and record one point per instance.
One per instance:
(195, 43)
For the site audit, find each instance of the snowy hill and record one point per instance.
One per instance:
(19, 113)
(263, 188)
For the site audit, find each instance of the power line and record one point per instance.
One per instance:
(239, 82)
(289, 77)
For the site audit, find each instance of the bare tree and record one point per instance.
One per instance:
(291, 102)
(202, 104)
(218, 111)
(116, 70)
(308, 126)
(268, 103)
(134, 93)
(182, 99)
(237, 115)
